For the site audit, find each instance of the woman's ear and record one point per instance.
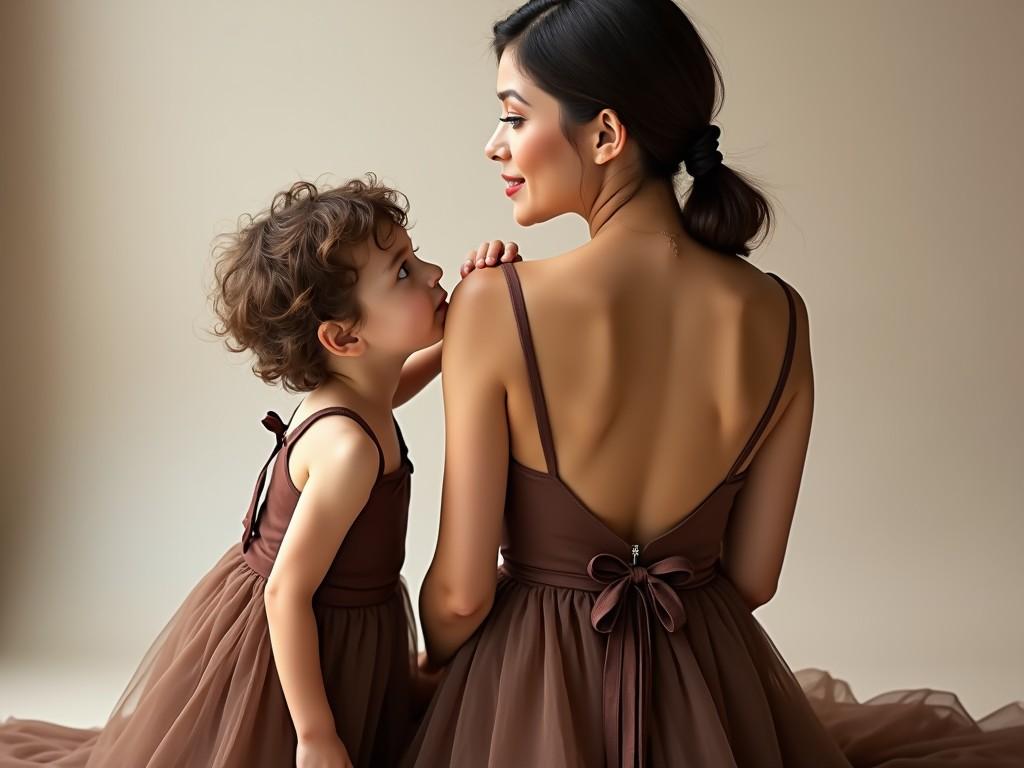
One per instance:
(607, 136)
(338, 339)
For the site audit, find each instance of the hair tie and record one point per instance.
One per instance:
(703, 154)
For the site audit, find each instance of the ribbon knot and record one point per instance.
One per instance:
(623, 612)
(275, 424)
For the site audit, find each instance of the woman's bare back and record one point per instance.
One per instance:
(656, 368)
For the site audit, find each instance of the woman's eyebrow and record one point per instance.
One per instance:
(502, 95)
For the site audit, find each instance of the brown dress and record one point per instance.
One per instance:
(605, 652)
(207, 693)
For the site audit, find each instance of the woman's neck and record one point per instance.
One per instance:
(648, 205)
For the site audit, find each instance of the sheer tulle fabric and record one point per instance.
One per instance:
(527, 690)
(207, 692)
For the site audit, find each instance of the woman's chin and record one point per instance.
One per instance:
(521, 215)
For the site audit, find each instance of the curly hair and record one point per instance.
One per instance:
(290, 268)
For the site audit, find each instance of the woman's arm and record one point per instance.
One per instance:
(458, 589)
(340, 479)
(760, 522)
(422, 366)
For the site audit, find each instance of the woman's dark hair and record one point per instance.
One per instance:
(645, 60)
(290, 268)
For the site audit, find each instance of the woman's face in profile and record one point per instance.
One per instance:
(541, 170)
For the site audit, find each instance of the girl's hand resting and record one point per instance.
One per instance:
(489, 254)
(322, 752)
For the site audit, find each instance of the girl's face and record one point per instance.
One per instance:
(541, 169)
(403, 303)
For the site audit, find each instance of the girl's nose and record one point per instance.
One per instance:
(435, 274)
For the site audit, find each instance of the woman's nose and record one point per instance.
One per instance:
(495, 149)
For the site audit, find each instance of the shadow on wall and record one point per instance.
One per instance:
(30, 310)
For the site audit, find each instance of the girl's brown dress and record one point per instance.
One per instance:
(605, 652)
(207, 692)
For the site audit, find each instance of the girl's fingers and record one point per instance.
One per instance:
(488, 254)
(494, 251)
(511, 252)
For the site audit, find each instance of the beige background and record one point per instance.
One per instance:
(134, 132)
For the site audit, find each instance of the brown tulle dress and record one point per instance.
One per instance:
(207, 693)
(604, 652)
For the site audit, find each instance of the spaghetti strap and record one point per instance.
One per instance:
(286, 440)
(403, 449)
(780, 384)
(338, 410)
(540, 407)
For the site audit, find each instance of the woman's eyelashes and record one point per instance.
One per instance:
(514, 120)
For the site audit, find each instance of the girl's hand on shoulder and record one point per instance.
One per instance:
(489, 254)
(325, 751)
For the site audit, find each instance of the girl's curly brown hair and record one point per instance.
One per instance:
(289, 268)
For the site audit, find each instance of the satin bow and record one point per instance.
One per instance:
(275, 424)
(623, 612)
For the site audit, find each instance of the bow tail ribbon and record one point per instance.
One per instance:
(627, 686)
(623, 611)
(251, 521)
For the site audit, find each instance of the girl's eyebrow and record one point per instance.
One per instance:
(502, 95)
(398, 256)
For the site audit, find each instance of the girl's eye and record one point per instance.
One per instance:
(402, 269)
(514, 120)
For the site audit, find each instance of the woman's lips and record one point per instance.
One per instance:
(513, 184)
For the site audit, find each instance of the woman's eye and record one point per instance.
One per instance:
(402, 271)
(513, 120)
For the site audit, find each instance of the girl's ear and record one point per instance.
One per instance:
(338, 340)
(607, 136)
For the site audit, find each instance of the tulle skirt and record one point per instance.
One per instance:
(207, 692)
(526, 690)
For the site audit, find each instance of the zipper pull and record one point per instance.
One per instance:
(636, 554)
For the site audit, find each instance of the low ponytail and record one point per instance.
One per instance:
(723, 210)
(646, 61)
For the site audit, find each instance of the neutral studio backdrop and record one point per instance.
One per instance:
(889, 133)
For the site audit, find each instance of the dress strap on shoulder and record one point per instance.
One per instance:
(337, 410)
(403, 449)
(285, 440)
(540, 407)
(780, 384)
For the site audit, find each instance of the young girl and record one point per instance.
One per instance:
(298, 646)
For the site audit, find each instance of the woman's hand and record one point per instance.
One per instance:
(489, 254)
(325, 751)
(428, 676)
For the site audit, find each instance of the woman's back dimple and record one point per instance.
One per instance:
(652, 394)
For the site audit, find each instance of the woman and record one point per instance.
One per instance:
(645, 426)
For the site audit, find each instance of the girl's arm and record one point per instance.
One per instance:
(341, 476)
(458, 589)
(422, 366)
(419, 370)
